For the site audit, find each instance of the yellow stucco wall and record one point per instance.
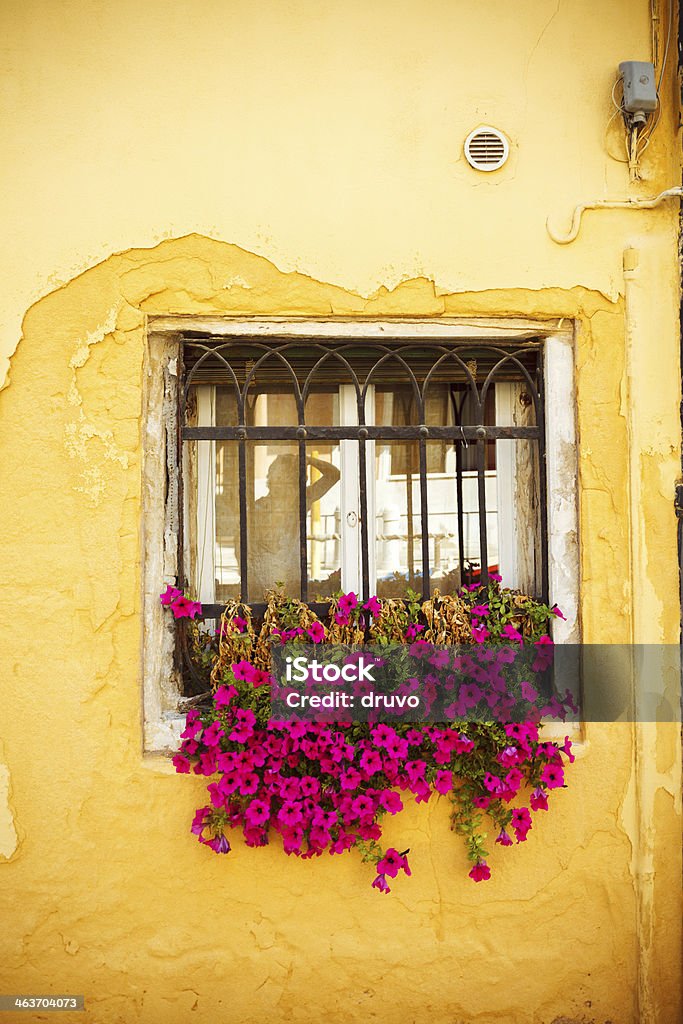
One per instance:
(323, 139)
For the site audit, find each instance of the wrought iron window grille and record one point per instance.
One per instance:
(470, 369)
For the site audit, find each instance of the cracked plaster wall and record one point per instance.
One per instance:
(108, 893)
(103, 889)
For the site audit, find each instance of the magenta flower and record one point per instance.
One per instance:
(553, 776)
(514, 779)
(193, 725)
(509, 757)
(383, 734)
(362, 806)
(381, 883)
(374, 606)
(480, 634)
(510, 633)
(350, 779)
(503, 838)
(347, 603)
(538, 800)
(224, 695)
(391, 863)
(316, 632)
(391, 801)
(340, 619)
(183, 608)
(170, 595)
(481, 872)
(556, 611)
(199, 820)
(566, 748)
(481, 801)
(443, 781)
(181, 764)
(243, 671)
(492, 782)
(290, 814)
(413, 629)
(219, 844)
(521, 823)
(257, 813)
(213, 735)
(528, 692)
(544, 641)
(371, 762)
(480, 611)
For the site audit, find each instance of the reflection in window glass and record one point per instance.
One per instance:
(398, 535)
(323, 514)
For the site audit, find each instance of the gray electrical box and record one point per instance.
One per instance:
(640, 90)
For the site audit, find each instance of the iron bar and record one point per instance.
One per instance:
(376, 432)
(244, 525)
(303, 551)
(481, 492)
(424, 519)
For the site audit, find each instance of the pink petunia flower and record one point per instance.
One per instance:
(181, 764)
(183, 608)
(392, 862)
(316, 632)
(374, 606)
(528, 692)
(521, 823)
(443, 781)
(492, 783)
(480, 634)
(381, 883)
(347, 603)
(538, 800)
(224, 695)
(170, 595)
(503, 838)
(481, 872)
(371, 762)
(553, 776)
(391, 801)
(213, 735)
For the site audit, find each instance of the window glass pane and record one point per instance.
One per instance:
(398, 533)
(323, 520)
(273, 518)
(271, 407)
(321, 408)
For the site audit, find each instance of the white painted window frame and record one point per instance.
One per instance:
(162, 723)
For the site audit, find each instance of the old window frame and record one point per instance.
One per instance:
(163, 435)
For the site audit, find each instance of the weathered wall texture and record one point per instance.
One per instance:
(325, 137)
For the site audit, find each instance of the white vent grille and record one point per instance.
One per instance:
(486, 149)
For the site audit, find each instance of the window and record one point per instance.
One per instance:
(364, 465)
(369, 457)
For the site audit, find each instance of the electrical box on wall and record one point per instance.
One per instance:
(640, 90)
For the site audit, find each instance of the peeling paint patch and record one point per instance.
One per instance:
(8, 833)
(78, 434)
(94, 337)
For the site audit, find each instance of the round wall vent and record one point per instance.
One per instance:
(486, 149)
